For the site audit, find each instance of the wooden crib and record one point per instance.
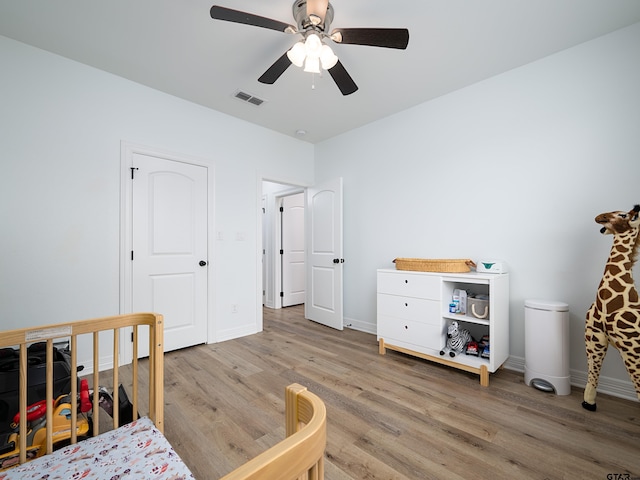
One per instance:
(298, 456)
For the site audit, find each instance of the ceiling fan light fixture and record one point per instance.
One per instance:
(312, 64)
(328, 59)
(313, 45)
(297, 54)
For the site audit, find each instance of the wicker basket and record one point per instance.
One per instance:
(458, 265)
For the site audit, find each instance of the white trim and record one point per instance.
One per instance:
(606, 385)
(366, 327)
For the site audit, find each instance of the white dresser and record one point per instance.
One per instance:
(413, 316)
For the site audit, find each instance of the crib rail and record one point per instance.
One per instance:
(300, 456)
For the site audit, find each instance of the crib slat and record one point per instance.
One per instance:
(49, 395)
(74, 390)
(116, 399)
(134, 386)
(23, 403)
(96, 383)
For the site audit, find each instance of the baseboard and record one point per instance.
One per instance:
(233, 333)
(608, 385)
(366, 327)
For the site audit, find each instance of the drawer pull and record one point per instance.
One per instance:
(406, 327)
(406, 281)
(406, 304)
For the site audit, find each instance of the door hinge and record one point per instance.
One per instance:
(282, 294)
(281, 209)
(131, 337)
(133, 169)
(132, 255)
(281, 252)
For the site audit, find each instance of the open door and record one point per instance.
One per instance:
(325, 260)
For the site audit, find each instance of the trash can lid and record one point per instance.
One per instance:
(550, 305)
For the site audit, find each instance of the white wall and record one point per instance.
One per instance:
(61, 125)
(513, 168)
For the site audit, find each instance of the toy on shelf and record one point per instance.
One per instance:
(472, 348)
(484, 347)
(457, 339)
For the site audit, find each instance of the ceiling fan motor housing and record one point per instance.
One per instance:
(313, 23)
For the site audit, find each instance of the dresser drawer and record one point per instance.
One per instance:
(409, 308)
(407, 331)
(409, 285)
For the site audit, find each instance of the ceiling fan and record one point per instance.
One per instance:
(313, 20)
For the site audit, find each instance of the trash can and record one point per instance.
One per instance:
(546, 345)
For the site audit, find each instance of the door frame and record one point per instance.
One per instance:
(127, 150)
(295, 187)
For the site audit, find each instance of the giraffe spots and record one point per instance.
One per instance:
(630, 319)
(617, 286)
(614, 270)
(604, 295)
(619, 258)
(626, 278)
(597, 307)
(630, 334)
(616, 303)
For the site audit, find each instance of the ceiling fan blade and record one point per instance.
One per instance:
(342, 78)
(274, 71)
(373, 37)
(230, 15)
(317, 8)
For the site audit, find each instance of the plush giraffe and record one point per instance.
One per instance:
(614, 317)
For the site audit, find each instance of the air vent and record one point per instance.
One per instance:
(247, 97)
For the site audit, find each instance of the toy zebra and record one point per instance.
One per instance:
(457, 339)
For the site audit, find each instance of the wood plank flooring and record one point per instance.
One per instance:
(389, 417)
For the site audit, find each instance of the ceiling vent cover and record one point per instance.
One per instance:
(247, 97)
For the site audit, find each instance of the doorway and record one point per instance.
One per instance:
(283, 249)
(324, 261)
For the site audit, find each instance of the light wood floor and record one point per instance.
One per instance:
(389, 417)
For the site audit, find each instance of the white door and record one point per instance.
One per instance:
(293, 250)
(324, 254)
(169, 257)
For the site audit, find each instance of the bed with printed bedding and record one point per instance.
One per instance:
(135, 450)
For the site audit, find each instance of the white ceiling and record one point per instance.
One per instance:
(174, 46)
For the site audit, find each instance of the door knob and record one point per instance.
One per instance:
(202, 263)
